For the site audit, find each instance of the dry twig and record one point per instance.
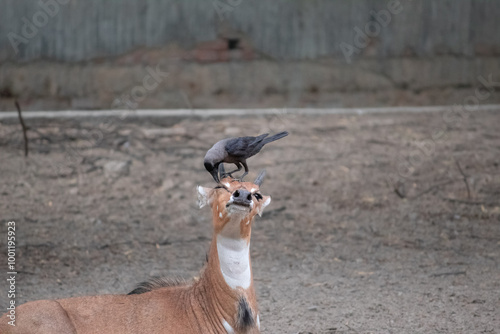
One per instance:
(400, 190)
(453, 273)
(25, 129)
(464, 178)
(456, 200)
(431, 188)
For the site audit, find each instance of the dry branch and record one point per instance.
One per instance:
(400, 190)
(431, 188)
(453, 273)
(464, 178)
(456, 200)
(25, 129)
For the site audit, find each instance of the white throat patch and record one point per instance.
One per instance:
(227, 327)
(234, 258)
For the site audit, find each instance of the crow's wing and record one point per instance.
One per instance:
(245, 147)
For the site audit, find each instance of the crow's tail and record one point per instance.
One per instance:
(275, 137)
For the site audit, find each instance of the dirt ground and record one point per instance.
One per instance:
(384, 223)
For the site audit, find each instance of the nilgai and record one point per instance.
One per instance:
(222, 300)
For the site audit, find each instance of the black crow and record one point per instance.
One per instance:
(236, 151)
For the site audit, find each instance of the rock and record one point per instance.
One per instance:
(166, 185)
(116, 168)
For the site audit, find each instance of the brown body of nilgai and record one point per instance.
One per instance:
(222, 300)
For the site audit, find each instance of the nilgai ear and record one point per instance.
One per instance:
(204, 196)
(260, 178)
(266, 200)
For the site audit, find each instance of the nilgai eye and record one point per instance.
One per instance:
(236, 193)
(258, 196)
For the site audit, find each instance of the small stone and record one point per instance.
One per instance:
(166, 185)
(115, 168)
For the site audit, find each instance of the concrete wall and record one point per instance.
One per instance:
(88, 53)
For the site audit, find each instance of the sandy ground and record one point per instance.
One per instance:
(379, 223)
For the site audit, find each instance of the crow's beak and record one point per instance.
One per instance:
(215, 174)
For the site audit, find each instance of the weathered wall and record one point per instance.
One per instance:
(87, 53)
(284, 29)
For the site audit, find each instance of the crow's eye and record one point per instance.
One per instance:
(258, 196)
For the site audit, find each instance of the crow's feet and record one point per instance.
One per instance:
(230, 174)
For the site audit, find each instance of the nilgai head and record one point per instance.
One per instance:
(234, 204)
